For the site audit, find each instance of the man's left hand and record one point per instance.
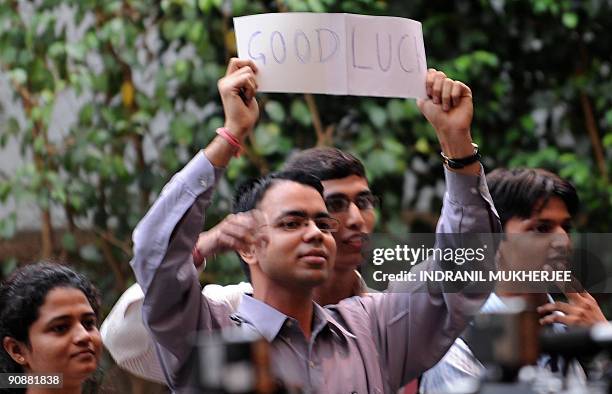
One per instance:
(449, 109)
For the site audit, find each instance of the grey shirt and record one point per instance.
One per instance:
(371, 344)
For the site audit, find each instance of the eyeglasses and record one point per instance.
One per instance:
(340, 203)
(293, 223)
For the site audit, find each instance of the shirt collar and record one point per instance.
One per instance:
(269, 321)
(323, 314)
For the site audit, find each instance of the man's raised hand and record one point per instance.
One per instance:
(237, 89)
(236, 232)
(449, 109)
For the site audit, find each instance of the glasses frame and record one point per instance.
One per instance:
(375, 203)
(304, 224)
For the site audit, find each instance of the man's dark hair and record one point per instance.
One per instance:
(325, 163)
(24, 292)
(522, 191)
(251, 192)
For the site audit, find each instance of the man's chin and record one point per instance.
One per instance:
(312, 279)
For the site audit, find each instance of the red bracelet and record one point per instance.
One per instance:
(197, 256)
(229, 137)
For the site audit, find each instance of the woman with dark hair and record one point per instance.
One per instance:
(49, 325)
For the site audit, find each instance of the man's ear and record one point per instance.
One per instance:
(16, 349)
(248, 255)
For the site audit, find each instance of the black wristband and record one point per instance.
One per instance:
(456, 164)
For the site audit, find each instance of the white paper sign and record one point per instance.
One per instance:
(334, 53)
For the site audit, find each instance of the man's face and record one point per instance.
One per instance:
(349, 200)
(540, 241)
(300, 251)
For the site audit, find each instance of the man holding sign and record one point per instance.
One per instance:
(366, 345)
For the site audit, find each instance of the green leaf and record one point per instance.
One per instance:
(39, 145)
(316, 6)
(90, 253)
(570, 20)
(300, 112)
(19, 76)
(8, 226)
(195, 32)
(396, 109)
(275, 111)
(76, 50)
(5, 190)
(9, 265)
(528, 123)
(69, 242)
(181, 131)
(267, 138)
(377, 115)
(57, 49)
(609, 117)
(422, 146)
(205, 5)
(59, 195)
(393, 146)
(181, 68)
(380, 163)
(297, 6)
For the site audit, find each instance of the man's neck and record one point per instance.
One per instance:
(340, 285)
(293, 302)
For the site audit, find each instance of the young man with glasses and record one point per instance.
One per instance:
(378, 340)
(348, 199)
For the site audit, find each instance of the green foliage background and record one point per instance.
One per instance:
(539, 70)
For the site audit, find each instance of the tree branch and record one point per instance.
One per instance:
(46, 231)
(125, 247)
(591, 127)
(316, 120)
(114, 265)
(589, 119)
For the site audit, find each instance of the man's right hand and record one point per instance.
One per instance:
(237, 90)
(236, 232)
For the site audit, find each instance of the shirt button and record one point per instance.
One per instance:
(473, 190)
(203, 183)
(311, 364)
(289, 323)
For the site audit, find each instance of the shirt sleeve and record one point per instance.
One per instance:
(229, 295)
(458, 364)
(415, 323)
(127, 340)
(173, 307)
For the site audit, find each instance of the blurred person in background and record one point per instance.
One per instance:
(536, 208)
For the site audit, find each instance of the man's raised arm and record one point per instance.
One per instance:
(173, 306)
(417, 323)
